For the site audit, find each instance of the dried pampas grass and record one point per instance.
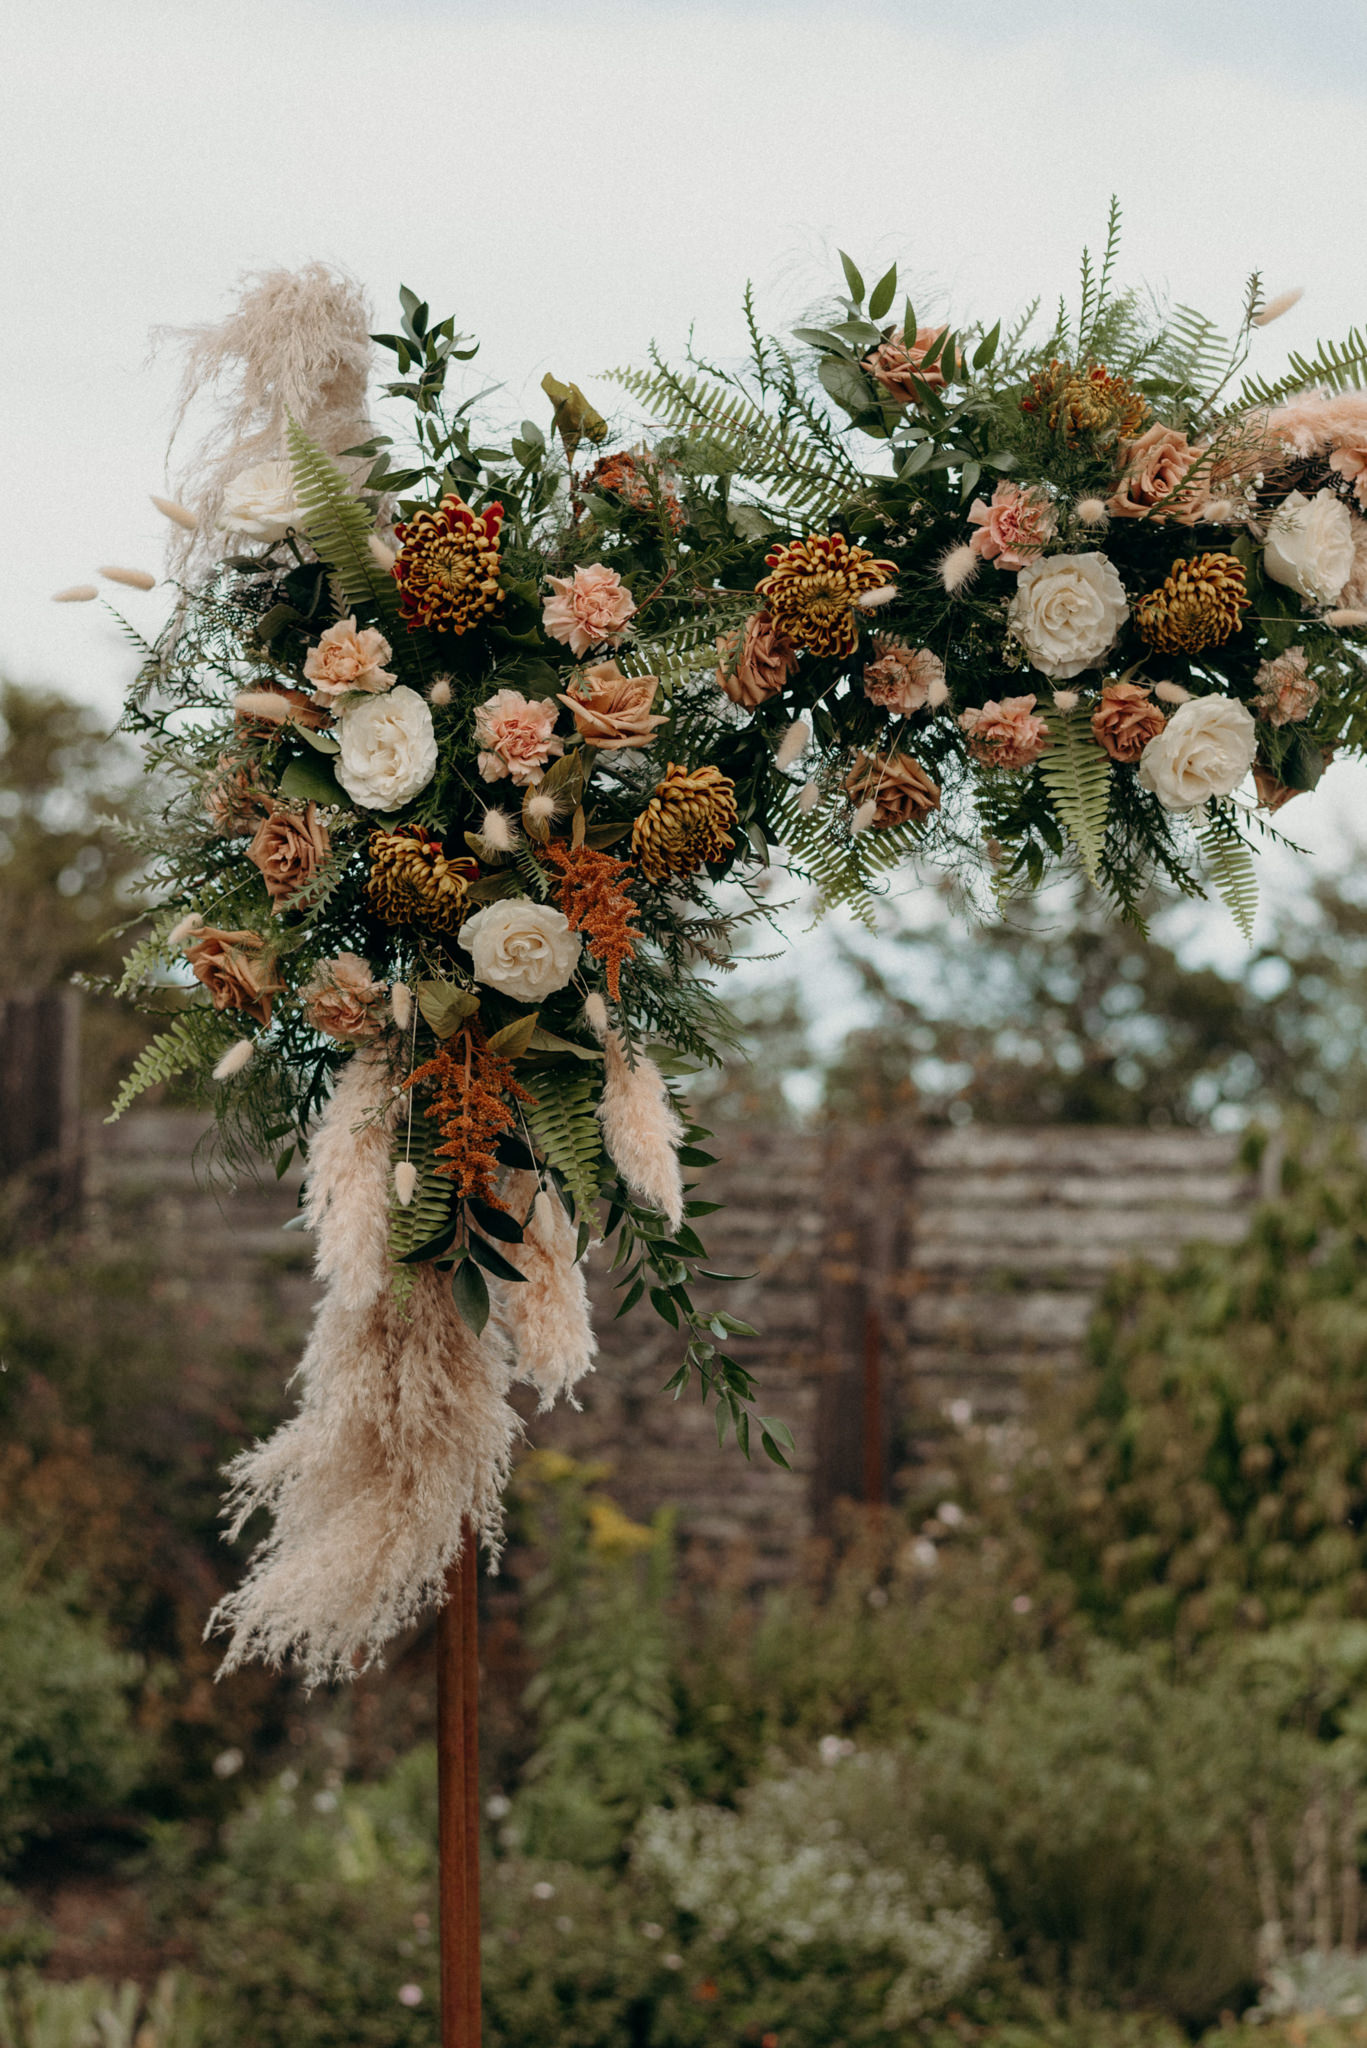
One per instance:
(641, 1129)
(403, 1429)
(296, 347)
(547, 1317)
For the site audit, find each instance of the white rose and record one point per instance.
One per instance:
(1205, 749)
(389, 750)
(1310, 546)
(261, 502)
(1067, 611)
(523, 949)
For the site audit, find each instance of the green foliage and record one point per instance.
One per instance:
(1229, 863)
(90, 2013)
(1339, 365)
(66, 1739)
(563, 1121)
(339, 527)
(1077, 774)
(197, 1039)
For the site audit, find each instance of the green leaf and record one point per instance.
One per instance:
(339, 526)
(495, 1222)
(852, 278)
(1077, 774)
(542, 1040)
(1229, 864)
(470, 1292)
(491, 1260)
(513, 1039)
(846, 384)
(881, 297)
(310, 778)
(444, 1007)
(987, 348)
(631, 1297)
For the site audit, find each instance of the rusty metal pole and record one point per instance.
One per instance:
(458, 1799)
(874, 1481)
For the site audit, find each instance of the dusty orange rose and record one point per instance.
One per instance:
(898, 787)
(343, 999)
(237, 968)
(612, 710)
(1286, 693)
(755, 661)
(1154, 468)
(898, 368)
(903, 679)
(1005, 735)
(347, 660)
(233, 798)
(1126, 720)
(289, 847)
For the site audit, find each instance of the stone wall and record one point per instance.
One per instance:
(890, 1271)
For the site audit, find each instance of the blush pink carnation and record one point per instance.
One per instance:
(1013, 528)
(517, 736)
(1286, 693)
(347, 660)
(589, 609)
(903, 679)
(1005, 735)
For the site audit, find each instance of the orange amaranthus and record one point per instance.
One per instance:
(593, 901)
(473, 1093)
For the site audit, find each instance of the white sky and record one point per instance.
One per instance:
(573, 181)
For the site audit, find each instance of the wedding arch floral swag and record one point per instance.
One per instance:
(476, 751)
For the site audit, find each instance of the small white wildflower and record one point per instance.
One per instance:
(924, 1555)
(1022, 1604)
(672, 1962)
(653, 1931)
(960, 1413)
(951, 1514)
(228, 1763)
(288, 1781)
(497, 1806)
(325, 1802)
(410, 1994)
(542, 1890)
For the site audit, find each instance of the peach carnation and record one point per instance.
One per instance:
(343, 999)
(1153, 473)
(612, 710)
(755, 661)
(1286, 693)
(898, 788)
(898, 368)
(903, 679)
(289, 847)
(589, 609)
(347, 660)
(1126, 720)
(1005, 734)
(237, 969)
(1013, 527)
(517, 735)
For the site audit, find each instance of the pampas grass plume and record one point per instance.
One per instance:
(1274, 308)
(794, 742)
(809, 796)
(405, 1181)
(136, 579)
(233, 1060)
(79, 593)
(641, 1129)
(178, 514)
(401, 1004)
(1093, 512)
(1171, 693)
(262, 704)
(864, 816)
(959, 567)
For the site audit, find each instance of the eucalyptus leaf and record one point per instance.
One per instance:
(881, 297)
(852, 278)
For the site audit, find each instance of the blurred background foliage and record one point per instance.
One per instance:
(1068, 1751)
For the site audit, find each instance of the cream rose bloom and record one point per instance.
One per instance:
(260, 502)
(1067, 611)
(389, 750)
(1205, 749)
(525, 950)
(1310, 546)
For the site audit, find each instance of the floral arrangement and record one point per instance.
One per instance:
(477, 753)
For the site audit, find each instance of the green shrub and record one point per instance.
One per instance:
(66, 1740)
(90, 2013)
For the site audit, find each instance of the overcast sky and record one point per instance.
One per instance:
(573, 181)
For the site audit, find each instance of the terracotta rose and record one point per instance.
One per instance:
(289, 847)
(897, 367)
(1126, 720)
(612, 710)
(898, 786)
(343, 999)
(1153, 469)
(233, 798)
(756, 661)
(238, 970)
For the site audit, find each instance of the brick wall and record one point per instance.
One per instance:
(891, 1270)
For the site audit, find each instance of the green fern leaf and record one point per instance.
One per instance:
(1229, 865)
(1339, 365)
(563, 1121)
(197, 1039)
(429, 1212)
(339, 526)
(1077, 774)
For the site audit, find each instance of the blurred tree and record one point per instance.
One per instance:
(66, 878)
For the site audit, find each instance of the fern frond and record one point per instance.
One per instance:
(339, 526)
(1077, 774)
(562, 1120)
(430, 1209)
(1341, 365)
(1229, 866)
(197, 1039)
